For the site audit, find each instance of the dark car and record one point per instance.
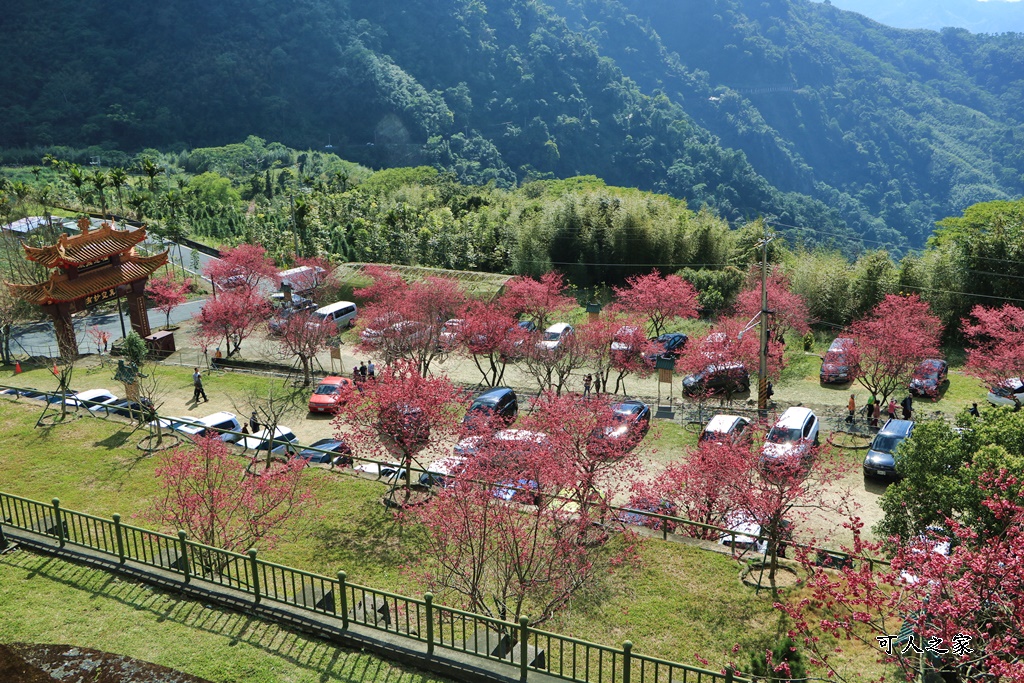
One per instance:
(137, 410)
(497, 404)
(630, 420)
(718, 378)
(669, 345)
(527, 325)
(929, 377)
(406, 424)
(640, 504)
(327, 451)
(835, 366)
(881, 458)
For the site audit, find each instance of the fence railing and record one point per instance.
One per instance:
(418, 619)
(388, 471)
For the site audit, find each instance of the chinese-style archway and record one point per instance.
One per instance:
(90, 268)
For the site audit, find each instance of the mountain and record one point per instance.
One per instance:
(815, 117)
(977, 16)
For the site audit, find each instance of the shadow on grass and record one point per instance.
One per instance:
(325, 659)
(115, 440)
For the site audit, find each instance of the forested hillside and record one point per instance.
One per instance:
(814, 117)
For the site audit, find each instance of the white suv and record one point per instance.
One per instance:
(795, 434)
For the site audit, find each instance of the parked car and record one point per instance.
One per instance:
(406, 424)
(718, 378)
(835, 365)
(397, 337)
(276, 324)
(1009, 393)
(928, 378)
(327, 451)
(95, 400)
(526, 326)
(279, 303)
(880, 460)
(726, 429)
(525, 491)
(554, 336)
(793, 436)
(670, 345)
(630, 421)
(329, 394)
(623, 335)
(499, 403)
(469, 445)
(440, 472)
(749, 530)
(935, 539)
(214, 423)
(644, 504)
(284, 441)
(449, 334)
(136, 410)
(341, 314)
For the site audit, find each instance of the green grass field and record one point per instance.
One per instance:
(46, 600)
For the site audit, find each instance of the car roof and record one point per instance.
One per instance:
(794, 417)
(90, 394)
(839, 342)
(221, 416)
(520, 435)
(328, 441)
(897, 427)
(931, 363)
(335, 379)
(722, 423)
(558, 327)
(629, 406)
(493, 395)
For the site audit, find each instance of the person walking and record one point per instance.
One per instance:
(908, 407)
(254, 422)
(892, 408)
(371, 369)
(197, 387)
(851, 406)
(587, 382)
(973, 410)
(877, 413)
(362, 369)
(869, 409)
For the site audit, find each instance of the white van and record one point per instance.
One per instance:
(341, 313)
(303, 279)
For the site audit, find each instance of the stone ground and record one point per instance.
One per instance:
(29, 663)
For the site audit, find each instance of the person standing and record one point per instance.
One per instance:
(877, 413)
(587, 382)
(908, 407)
(254, 422)
(197, 387)
(851, 406)
(362, 369)
(371, 369)
(973, 410)
(892, 408)
(869, 409)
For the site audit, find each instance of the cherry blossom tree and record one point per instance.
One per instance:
(538, 300)
(245, 266)
(995, 343)
(551, 367)
(233, 316)
(302, 336)
(660, 299)
(616, 342)
(890, 341)
(788, 309)
(490, 337)
(959, 593)
(399, 415)
(385, 285)
(166, 293)
(206, 491)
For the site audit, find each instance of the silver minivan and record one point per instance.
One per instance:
(341, 313)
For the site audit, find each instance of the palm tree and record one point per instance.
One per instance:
(77, 178)
(151, 169)
(99, 180)
(119, 178)
(138, 201)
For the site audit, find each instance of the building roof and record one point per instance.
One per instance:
(59, 288)
(87, 247)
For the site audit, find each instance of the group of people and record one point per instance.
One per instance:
(873, 409)
(365, 370)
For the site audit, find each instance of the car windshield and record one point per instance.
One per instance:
(835, 357)
(886, 443)
(710, 435)
(783, 435)
(926, 373)
(552, 336)
(326, 389)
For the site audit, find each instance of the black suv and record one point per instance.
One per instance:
(730, 378)
(499, 402)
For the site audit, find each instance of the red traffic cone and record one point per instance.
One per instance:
(17, 367)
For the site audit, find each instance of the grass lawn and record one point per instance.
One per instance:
(47, 600)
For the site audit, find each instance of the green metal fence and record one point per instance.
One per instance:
(418, 619)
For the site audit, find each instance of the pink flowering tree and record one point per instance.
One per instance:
(891, 341)
(207, 492)
(245, 266)
(490, 338)
(541, 300)
(788, 310)
(232, 317)
(166, 293)
(658, 298)
(302, 336)
(617, 344)
(995, 343)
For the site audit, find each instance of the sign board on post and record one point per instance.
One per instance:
(593, 311)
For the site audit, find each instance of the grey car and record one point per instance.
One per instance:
(881, 458)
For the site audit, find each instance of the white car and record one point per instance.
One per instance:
(794, 435)
(933, 540)
(725, 429)
(283, 440)
(440, 472)
(450, 332)
(216, 423)
(554, 336)
(96, 400)
(621, 338)
(747, 538)
(1009, 393)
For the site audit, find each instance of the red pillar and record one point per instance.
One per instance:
(137, 307)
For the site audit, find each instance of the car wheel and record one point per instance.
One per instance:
(817, 441)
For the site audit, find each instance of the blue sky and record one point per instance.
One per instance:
(978, 16)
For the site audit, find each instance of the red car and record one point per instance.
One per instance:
(329, 394)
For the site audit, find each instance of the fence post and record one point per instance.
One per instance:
(255, 574)
(728, 674)
(429, 600)
(3, 539)
(627, 649)
(344, 598)
(59, 518)
(524, 636)
(120, 538)
(185, 569)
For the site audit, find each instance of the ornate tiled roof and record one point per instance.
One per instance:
(60, 289)
(88, 247)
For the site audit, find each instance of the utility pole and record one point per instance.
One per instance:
(762, 379)
(295, 226)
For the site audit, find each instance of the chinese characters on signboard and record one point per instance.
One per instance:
(94, 299)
